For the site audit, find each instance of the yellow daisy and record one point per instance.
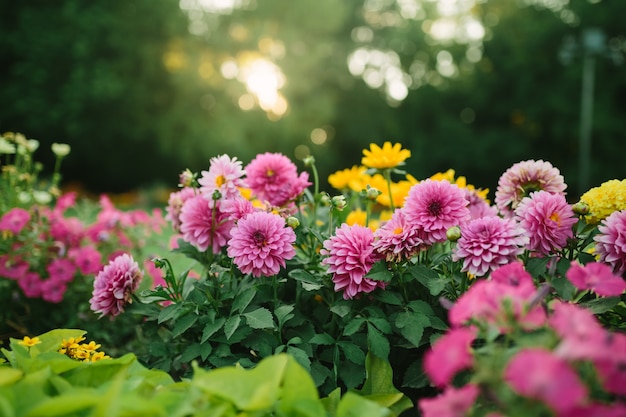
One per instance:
(389, 156)
(604, 200)
(28, 342)
(344, 179)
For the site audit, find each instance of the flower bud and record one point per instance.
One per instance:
(309, 161)
(453, 234)
(158, 262)
(339, 202)
(372, 193)
(293, 222)
(186, 178)
(581, 208)
(325, 200)
(61, 149)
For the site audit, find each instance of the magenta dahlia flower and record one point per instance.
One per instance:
(396, 239)
(272, 177)
(547, 220)
(204, 224)
(524, 178)
(611, 241)
(114, 285)
(487, 243)
(224, 175)
(434, 207)
(350, 256)
(261, 243)
(478, 207)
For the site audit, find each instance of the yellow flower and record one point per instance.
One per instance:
(386, 157)
(357, 216)
(346, 178)
(99, 356)
(604, 200)
(440, 176)
(28, 342)
(91, 346)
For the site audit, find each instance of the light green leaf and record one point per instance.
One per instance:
(261, 318)
(352, 405)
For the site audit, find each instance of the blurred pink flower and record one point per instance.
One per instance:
(450, 354)
(487, 243)
(538, 374)
(547, 220)
(597, 277)
(64, 202)
(224, 175)
(478, 207)
(272, 177)
(616, 409)
(204, 225)
(61, 269)
(114, 285)
(611, 241)
(350, 256)
(53, 290)
(434, 207)
(175, 204)
(397, 239)
(30, 283)
(14, 220)
(611, 367)
(515, 275)
(87, 258)
(12, 267)
(453, 402)
(261, 243)
(523, 178)
(582, 335)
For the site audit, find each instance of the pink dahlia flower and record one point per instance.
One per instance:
(272, 177)
(434, 207)
(487, 243)
(114, 285)
(597, 277)
(175, 204)
(478, 207)
(237, 208)
(350, 256)
(611, 241)
(224, 175)
(522, 179)
(450, 354)
(396, 239)
(539, 374)
(547, 220)
(204, 224)
(14, 220)
(261, 243)
(453, 402)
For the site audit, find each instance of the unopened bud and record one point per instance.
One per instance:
(339, 202)
(158, 262)
(186, 178)
(372, 193)
(61, 149)
(293, 222)
(581, 208)
(453, 234)
(325, 200)
(309, 161)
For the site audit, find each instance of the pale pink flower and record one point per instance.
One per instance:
(87, 258)
(237, 208)
(538, 374)
(478, 207)
(450, 354)
(547, 220)
(14, 220)
(397, 239)
(523, 178)
(204, 225)
(597, 277)
(487, 243)
(453, 402)
(611, 241)
(272, 177)
(114, 285)
(224, 175)
(582, 335)
(261, 243)
(61, 269)
(175, 204)
(434, 207)
(350, 256)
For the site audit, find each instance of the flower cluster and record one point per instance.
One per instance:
(84, 352)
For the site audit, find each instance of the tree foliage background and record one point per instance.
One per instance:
(142, 89)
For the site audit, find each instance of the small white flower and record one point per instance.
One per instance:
(6, 147)
(42, 197)
(61, 149)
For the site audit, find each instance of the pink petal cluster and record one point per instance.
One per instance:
(487, 243)
(261, 243)
(523, 178)
(435, 206)
(450, 354)
(453, 402)
(350, 255)
(14, 220)
(224, 175)
(547, 219)
(597, 277)
(203, 224)
(397, 239)
(539, 374)
(175, 204)
(272, 177)
(611, 241)
(114, 285)
(478, 207)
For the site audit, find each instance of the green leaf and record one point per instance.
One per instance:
(261, 318)
(191, 352)
(429, 279)
(231, 325)
(381, 324)
(353, 326)
(169, 312)
(601, 305)
(377, 342)
(352, 352)
(563, 287)
(388, 297)
(242, 300)
(308, 281)
(300, 356)
(299, 395)
(322, 339)
(415, 377)
(67, 404)
(379, 385)
(184, 323)
(379, 272)
(341, 309)
(283, 313)
(205, 350)
(352, 405)
(537, 266)
(419, 306)
(211, 328)
(9, 376)
(412, 326)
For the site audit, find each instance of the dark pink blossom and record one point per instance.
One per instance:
(30, 283)
(204, 224)
(611, 241)
(53, 290)
(450, 354)
(260, 244)
(611, 367)
(453, 402)
(14, 220)
(61, 269)
(87, 258)
(12, 267)
(597, 277)
(114, 285)
(397, 239)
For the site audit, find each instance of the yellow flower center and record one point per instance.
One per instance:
(397, 231)
(220, 180)
(556, 218)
